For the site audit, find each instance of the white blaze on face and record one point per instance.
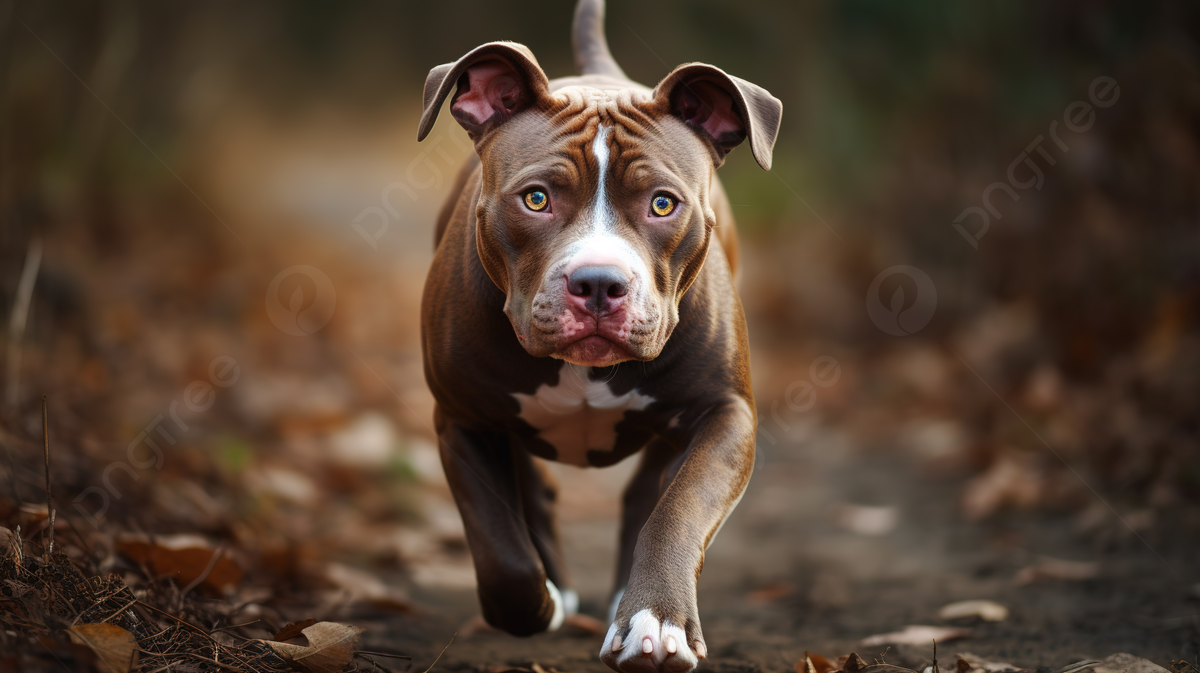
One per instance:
(599, 243)
(578, 414)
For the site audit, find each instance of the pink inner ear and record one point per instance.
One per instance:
(708, 106)
(484, 90)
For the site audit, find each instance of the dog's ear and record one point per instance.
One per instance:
(723, 108)
(494, 82)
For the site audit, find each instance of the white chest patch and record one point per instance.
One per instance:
(578, 415)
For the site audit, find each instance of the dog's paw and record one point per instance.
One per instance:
(649, 645)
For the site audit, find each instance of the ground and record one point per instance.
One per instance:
(785, 577)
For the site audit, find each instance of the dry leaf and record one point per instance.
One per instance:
(330, 647)
(917, 635)
(852, 664)
(293, 630)
(1057, 569)
(988, 611)
(815, 663)
(971, 662)
(116, 649)
(184, 558)
(1127, 663)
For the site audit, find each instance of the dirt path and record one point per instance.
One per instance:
(786, 576)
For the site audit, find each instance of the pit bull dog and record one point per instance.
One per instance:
(581, 308)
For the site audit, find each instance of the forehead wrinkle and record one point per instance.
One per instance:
(556, 169)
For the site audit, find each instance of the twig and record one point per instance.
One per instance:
(443, 652)
(118, 612)
(49, 493)
(214, 662)
(935, 665)
(18, 318)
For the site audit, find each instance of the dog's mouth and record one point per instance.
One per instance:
(593, 351)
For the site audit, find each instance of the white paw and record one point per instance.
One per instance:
(648, 646)
(560, 608)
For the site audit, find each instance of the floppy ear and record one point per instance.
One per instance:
(724, 108)
(494, 81)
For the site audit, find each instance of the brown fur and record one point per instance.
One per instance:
(489, 332)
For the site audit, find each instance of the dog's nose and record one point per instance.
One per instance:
(598, 285)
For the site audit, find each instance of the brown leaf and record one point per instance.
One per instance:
(293, 630)
(821, 664)
(853, 663)
(186, 558)
(814, 663)
(917, 635)
(116, 649)
(980, 665)
(330, 647)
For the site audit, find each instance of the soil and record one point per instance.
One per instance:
(784, 577)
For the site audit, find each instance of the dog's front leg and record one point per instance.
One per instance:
(657, 627)
(514, 592)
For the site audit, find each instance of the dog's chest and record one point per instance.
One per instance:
(578, 414)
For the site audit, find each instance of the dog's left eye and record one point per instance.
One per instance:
(662, 205)
(536, 200)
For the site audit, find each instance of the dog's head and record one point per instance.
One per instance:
(594, 215)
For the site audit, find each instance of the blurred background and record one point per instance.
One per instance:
(172, 175)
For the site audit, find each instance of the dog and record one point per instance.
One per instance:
(581, 308)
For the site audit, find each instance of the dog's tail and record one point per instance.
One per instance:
(592, 56)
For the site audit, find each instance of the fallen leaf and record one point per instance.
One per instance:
(293, 630)
(1127, 663)
(852, 664)
(9, 545)
(988, 611)
(917, 635)
(1057, 569)
(805, 665)
(116, 649)
(815, 663)
(185, 558)
(972, 662)
(330, 647)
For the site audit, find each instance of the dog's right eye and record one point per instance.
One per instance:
(536, 200)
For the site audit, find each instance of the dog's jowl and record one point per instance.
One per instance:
(581, 308)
